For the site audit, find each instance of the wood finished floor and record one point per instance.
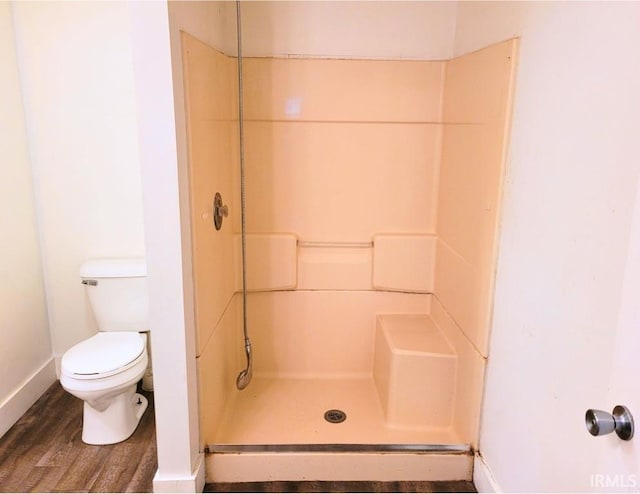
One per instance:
(43, 452)
(323, 486)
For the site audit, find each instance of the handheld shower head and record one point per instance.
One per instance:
(244, 378)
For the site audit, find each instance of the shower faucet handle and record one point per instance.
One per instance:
(223, 211)
(220, 211)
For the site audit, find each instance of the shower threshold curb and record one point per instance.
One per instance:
(339, 448)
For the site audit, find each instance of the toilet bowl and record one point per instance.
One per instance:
(104, 370)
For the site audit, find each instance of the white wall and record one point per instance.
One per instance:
(96, 78)
(155, 36)
(570, 192)
(619, 462)
(75, 60)
(172, 341)
(83, 91)
(25, 346)
(161, 126)
(381, 29)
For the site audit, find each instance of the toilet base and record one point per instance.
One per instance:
(117, 422)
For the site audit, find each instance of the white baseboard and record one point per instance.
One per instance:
(192, 483)
(483, 479)
(15, 405)
(58, 362)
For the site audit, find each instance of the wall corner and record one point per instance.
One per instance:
(483, 478)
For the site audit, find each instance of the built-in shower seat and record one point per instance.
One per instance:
(414, 371)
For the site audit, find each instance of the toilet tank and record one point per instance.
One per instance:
(117, 292)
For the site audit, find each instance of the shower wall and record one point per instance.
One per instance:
(339, 150)
(211, 95)
(373, 187)
(212, 120)
(476, 122)
(476, 118)
(338, 153)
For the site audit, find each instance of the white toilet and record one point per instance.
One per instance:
(105, 369)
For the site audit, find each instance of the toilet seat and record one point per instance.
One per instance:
(104, 355)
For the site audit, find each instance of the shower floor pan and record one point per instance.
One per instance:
(276, 430)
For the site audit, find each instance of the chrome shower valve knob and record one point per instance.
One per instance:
(600, 423)
(220, 211)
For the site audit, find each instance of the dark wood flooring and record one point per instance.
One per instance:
(44, 452)
(322, 486)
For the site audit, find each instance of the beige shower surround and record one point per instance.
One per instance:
(365, 180)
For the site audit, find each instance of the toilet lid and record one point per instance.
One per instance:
(103, 353)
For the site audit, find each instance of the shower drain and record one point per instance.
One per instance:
(335, 416)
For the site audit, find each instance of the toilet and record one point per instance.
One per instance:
(105, 369)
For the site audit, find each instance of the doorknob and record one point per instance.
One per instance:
(219, 211)
(600, 423)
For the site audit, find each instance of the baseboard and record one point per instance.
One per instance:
(58, 362)
(483, 479)
(192, 483)
(26, 395)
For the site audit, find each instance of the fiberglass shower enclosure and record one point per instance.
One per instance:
(372, 189)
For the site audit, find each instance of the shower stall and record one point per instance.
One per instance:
(353, 240)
